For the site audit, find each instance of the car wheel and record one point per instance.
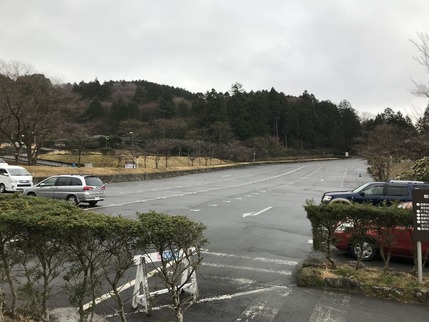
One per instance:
(92, 203)
(31, 194)
(2, 188)
(72, 199)
(368, 250)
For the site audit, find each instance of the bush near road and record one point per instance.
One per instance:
(42, 239)
(354, 277)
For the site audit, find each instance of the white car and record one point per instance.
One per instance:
(14, 178)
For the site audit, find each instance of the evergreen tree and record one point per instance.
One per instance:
(94, 111)
(349, 124)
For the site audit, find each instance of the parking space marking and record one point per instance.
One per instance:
(284, 289)
(332, 307)
(202, 191)
(247, 268)
(264, 309)
(258, 259)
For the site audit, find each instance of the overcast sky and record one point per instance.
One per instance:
(358, 50)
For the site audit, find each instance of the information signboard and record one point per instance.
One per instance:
(421, 214)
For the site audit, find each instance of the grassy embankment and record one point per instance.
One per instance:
(108, 165)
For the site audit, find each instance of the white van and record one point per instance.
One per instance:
(14, 178)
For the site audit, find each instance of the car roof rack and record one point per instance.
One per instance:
(406, 181)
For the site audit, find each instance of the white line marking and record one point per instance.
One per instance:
(256, 259)
(230, 296)
(344, 177)
(124, 287)
(256, 213)
(245, 268)
(332, 307)
(203, 190)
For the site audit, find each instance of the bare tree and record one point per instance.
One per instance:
(385, 145)
(29, 108)
(78, 136)
(420, 142)
(422, 45)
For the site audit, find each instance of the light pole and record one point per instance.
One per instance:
(132, 139)
(199, 153)
(277, 129)
(163, 130)
(107, 139)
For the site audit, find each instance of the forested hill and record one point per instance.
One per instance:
(258, 118)
(142, 117)
(238, 124)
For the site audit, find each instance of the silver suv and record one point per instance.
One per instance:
(73, 188)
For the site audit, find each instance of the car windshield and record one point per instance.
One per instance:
(19, 172)
(370, 189)
(362, 187)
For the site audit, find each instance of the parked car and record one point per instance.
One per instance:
(14, 178)
(402, 245)
(73, 188)
(376, 192)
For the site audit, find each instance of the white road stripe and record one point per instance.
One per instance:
(332, 307)
(285, 291)
(202, 191)
(246, 268)
(264, 309)
(247, 214)
(231, 296)
(257, 259)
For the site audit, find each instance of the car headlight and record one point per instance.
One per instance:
(344, 225)
(326, 198)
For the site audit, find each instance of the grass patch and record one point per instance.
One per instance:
(376, 282)
(105, 165)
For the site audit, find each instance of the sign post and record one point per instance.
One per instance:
(420, 224)
(188, 279)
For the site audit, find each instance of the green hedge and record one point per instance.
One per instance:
(325, 219)
(42, 240)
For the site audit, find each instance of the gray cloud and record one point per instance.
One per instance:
(357, 50)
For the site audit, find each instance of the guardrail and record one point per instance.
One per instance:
(50, 163)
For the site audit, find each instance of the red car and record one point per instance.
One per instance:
(402, 243)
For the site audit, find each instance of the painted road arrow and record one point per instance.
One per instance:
(255, 213)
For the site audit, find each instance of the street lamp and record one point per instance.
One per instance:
(163, 129)
(34, 138)
(107, 139)
(132, 139)
(277, 129)
(199, 152)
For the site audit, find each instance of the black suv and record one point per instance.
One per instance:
(376, 192)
